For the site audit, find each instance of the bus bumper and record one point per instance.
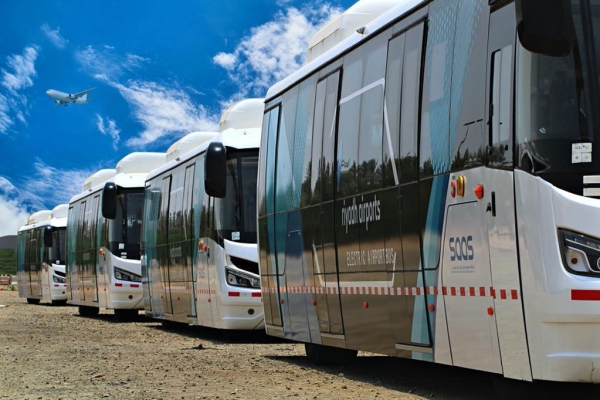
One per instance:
(58, 292)
(127, 296)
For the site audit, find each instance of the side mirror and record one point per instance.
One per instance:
(215, 170)
(109, 201)
(545, 26)
(48, 236)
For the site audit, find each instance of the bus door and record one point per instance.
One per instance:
(83, 256)
(34, 264)
(188, 247)
(177, 250)
(95, 256)
(326, 263)
(162, 248)
(499, 196)
(201, 308)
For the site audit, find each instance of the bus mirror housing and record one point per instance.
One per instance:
(48, 236)
(109, 201)
(215, 170)
(544, 26)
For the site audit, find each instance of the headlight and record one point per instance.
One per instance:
(58, 279)
(238, 278)
(126, 275)
(580, 253)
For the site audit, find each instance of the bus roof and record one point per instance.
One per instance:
(187, 143)
(59, 215)
(39, 216)
(98, 177)
(341, 35)
(345, 24)
(130, 172)
(240, 126)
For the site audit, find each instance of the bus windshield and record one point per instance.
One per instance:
(124, 230)
(558, 102)
(59, 246)
(236, 213)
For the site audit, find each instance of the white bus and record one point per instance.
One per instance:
(428, 188)
(103, 240)
(200, 260)
(41, 257)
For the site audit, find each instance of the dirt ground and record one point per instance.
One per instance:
(50, 352)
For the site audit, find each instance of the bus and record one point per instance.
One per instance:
(41, 257)
(103, 241)
(199, 252)
(427, 188)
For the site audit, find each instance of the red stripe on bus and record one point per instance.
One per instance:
(234, 294)
(118, 284)
(134, 285)
(256, 294)
(585, 295)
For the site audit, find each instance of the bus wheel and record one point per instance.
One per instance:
(33, 301)
(86, 311)
(125, 315)
(327, 355)
(59, 302)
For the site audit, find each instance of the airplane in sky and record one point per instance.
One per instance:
(63, 99)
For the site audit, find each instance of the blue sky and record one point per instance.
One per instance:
(160, 69)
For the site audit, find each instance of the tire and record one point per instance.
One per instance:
(326, 355)
(33, 301)
(86, 311)
(59, 302)
(125, 315)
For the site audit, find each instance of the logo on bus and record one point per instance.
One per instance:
(462, 248)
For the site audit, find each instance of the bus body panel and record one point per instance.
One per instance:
(562, 325)
(41, 269)
(185, 261)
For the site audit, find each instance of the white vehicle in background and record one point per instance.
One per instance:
(103, 245)
(41, 256)
(199, 251)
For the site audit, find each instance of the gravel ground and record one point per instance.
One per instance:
(53, 353)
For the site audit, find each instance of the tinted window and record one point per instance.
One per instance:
(329, 122)
(303, 141)
(410, 101)
(393, 93)
(271, 147)
(285, 188)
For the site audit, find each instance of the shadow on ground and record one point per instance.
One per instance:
(435, 381)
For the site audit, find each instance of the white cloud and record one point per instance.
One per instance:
(13, 214)
(104, 62)
(163, 112)
(225, 60)
(18, 75)
(5, 118)
(23, 69)
(108, 128)
(274, 50)
(43, 190)
(54, 36)
(50, 186)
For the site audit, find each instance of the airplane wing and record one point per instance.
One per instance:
(78, 95)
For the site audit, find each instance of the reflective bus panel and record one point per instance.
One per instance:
(426, 189)
(103, 244)
(200, 258)
(41, 257)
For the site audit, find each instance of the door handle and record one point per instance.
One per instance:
(491, 206)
